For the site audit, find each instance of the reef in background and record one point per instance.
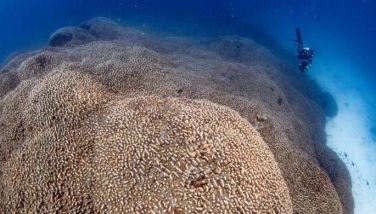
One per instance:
(83, 119)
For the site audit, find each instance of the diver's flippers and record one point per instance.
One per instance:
(299, 39)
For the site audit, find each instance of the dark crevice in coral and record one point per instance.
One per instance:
(198, 182)
(279, 101)
(41, 61)
(180, 91)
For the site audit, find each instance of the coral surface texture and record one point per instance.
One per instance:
(112, 119)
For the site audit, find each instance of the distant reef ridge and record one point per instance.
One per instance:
(108, 118)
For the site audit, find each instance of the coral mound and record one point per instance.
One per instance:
(186, 156)
(70, 36)
(109, 118)
(84, 149)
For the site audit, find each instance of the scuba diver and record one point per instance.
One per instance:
(305, 54)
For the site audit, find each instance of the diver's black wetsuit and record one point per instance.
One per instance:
(305, 56)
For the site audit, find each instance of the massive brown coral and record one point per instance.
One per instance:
(128, 64)
(71, 145)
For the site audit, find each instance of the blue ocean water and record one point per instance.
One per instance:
(342, 33)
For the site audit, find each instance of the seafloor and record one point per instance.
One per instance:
(111, 119)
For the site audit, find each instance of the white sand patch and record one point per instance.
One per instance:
(348, 136)
(349, 132)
